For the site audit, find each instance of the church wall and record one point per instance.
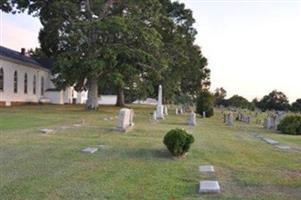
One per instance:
(8, 95)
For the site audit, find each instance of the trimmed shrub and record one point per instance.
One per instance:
(178, 142)
(205, 103)
(290, 125)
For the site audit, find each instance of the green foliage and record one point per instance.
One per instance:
(178, 142)
(133, 45)
(275, 100)
(219, 95)
(205, 103)
(291, 125)
(296, 106)
(239, 102)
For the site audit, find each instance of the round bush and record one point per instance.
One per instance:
(178, 142)
(205, 103)
(290, 125)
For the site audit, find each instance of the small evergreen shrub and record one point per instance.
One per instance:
(205, 103)
(290, 125)
(178, 142)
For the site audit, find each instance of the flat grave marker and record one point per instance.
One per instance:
(89, 150)
(209, 187)
(206, 168)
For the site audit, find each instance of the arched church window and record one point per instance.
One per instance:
(15, 82)
(1, 80)
(25, 83)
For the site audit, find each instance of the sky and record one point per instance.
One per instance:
(252, 47)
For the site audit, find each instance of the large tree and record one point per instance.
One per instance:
(184, 72)
(296, 106)
(91, 40)
(122, 44)
(275, 100)
(239, 102)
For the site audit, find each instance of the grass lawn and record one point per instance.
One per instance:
(136, 165)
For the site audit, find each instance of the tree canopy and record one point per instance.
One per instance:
(128, 44)
(275, 100)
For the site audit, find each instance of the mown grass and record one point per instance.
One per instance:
(136, 165)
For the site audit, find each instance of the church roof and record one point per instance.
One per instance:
(15, 55)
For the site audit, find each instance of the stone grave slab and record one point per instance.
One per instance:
(46, 130)
(270, 141)
(209, 187)
(283, 147)
(89, 150)
(206, 168)
(77, 125)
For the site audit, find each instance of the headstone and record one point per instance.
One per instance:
(225, 118)
(132, 117)
(165, 110)
(248, 119)
(204, 114)
(89, 150)
(160, 107)
(181, 111)
(124, 120)
(192, 119)
(46, 130)
(209, 187)
(155, 115)
(177, 111)
(230, 119)
(206, 168)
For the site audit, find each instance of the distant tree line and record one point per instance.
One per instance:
(275, 100)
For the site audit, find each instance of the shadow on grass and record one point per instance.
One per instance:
(144, 153)
(177, 123)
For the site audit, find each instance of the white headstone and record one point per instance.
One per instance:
(132, 117)
(230, 119)
(204, 114)
(160, 107)
(177, 111)
(165, 110)
(124, 119)
(192, 119)
(155, 115)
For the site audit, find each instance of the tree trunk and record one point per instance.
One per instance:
(120, 97)
(92, 102)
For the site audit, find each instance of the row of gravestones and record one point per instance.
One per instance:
(243, 118)
(273, 119)
(126, 119)
(229, 118)
(271, 122)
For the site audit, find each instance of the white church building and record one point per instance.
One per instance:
(27, 80)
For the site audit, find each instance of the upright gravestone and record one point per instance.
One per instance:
(177, 111)
(155, 115)
(192, 119)
(204, 114)
(248, 119)
(230, 119)
(132, 117)
(165, 110)
(160, 106)
(125, 119)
